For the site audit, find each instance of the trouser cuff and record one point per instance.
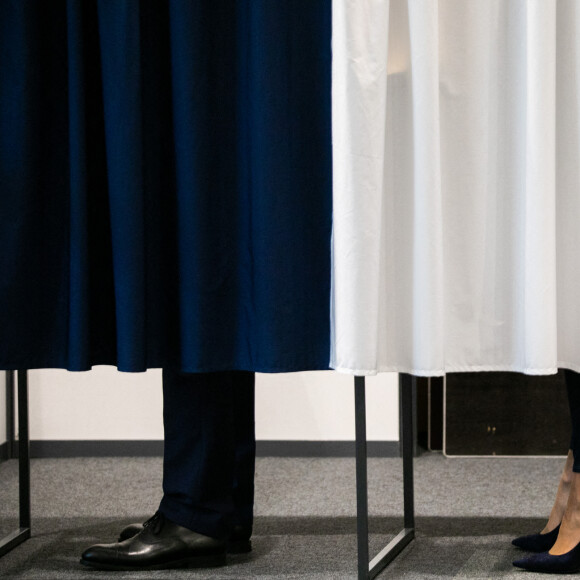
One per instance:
(206, 522)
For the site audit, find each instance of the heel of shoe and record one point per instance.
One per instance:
(239, 547)
(537, 542)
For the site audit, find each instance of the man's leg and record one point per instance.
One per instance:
(245, 455)
(245, 435)
(199, 457)
(197, 510)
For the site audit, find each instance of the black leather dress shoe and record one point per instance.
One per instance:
(161, 544)
(238, 542)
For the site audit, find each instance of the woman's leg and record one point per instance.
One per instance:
(572, 380)
(561, 496)
(573, 388)
(569, 535)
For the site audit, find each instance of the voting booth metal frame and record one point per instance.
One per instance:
(367, 569)
(22, 448)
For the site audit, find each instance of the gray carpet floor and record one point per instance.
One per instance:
(467, 511)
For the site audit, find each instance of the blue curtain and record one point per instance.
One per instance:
(165, 175)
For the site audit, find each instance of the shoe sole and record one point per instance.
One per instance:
(236, 547)
(198, 562)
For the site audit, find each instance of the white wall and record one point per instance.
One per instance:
(2, 407)
(106, 404)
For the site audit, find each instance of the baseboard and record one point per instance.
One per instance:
(96, 448)
(4, 451)
(324, 449)
(54, 449)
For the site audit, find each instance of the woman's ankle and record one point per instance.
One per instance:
(568, 472)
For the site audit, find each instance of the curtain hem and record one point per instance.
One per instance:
(455, 369)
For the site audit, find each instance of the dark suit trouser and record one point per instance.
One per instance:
(210, 448)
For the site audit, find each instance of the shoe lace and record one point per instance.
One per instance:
(155, 522)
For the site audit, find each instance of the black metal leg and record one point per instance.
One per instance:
(407, 394)
(10, 423)
(23, 450)
(369, 570)
(362, 505)
(23, 533)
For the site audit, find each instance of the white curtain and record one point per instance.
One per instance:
(456, 137)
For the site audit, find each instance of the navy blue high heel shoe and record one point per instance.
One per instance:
(546, 562)
(537, 542)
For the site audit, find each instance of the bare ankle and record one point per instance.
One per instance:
(568, 467)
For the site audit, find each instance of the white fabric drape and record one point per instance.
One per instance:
(456, 138)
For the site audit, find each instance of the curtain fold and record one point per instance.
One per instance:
(476, 183)
(166, 184)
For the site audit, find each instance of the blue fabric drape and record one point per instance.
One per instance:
(165, 174)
